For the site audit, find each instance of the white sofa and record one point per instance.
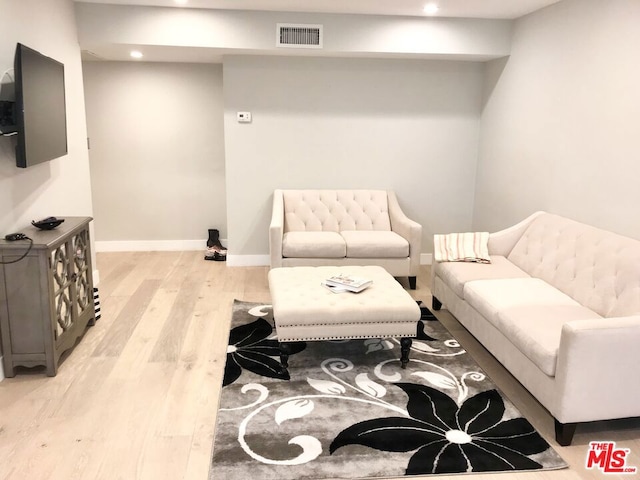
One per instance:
(559, 307)
(344, 227)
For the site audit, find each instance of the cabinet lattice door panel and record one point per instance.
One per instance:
(83, 285)
(46, 299)
(61, 290)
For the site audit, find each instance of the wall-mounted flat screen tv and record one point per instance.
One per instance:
(41, 118)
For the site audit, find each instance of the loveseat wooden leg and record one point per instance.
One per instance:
(412, 283)
(564, 432)
(436, 304)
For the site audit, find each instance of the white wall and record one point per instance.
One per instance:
(560, 125)
(157, 153)
(409, 126)
(60, 187)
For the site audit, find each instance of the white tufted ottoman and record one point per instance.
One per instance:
(304, 310)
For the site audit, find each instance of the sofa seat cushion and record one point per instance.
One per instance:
(457, 274)
(313, 245)
(529, 312)
(375, 244)
(536, 330)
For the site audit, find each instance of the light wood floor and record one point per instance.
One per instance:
(137, 396)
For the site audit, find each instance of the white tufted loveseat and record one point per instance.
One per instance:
(559, 307)
(344, 227)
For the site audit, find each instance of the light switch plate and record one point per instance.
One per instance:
(244, 117)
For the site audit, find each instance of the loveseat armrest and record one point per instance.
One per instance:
(503, 241)
(408, 229)
(597, 369)
(276, 229)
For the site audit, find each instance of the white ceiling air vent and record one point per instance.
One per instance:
(298, 35)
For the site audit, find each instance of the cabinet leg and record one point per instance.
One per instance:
(52, 370)
(412, 283)
(9, 372)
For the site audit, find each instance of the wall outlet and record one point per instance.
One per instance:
(244, 117)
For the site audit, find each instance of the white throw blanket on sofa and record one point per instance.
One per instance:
(462, 247)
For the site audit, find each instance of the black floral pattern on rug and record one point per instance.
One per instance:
(251, 349)
(450, 439)
(421, 335)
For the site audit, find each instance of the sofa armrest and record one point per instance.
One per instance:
(597, 369)
(503, 241)
(408, 229)
(276, 229)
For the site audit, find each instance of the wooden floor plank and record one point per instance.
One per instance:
(169, 344)
(118, 335)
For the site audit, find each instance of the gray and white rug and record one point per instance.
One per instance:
(345, 409)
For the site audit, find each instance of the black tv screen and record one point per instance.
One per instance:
(41, 118)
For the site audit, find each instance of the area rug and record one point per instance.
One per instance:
(345, 409)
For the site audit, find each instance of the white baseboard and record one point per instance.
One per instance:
(248, 260)
(187, 245)
(152, 245)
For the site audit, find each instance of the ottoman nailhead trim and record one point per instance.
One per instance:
(342, 323)
(351, 337)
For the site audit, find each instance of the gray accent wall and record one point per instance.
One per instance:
(411, 126)
(561, 119)
(157, 153)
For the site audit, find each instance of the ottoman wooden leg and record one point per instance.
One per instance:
(405, 347)
(285, 351)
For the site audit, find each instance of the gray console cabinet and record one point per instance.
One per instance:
(46, 299)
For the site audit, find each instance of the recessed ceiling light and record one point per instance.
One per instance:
(136, 54)
(431, 9)
(181, 2)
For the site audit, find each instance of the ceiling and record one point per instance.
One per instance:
(498, 9)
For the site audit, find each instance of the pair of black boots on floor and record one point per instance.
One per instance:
(215, 250)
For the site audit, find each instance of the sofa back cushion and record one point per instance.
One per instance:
(335, 210)
(598, 269)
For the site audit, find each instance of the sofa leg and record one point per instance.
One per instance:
(412, 283)
(564, 432)
(436, 304)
